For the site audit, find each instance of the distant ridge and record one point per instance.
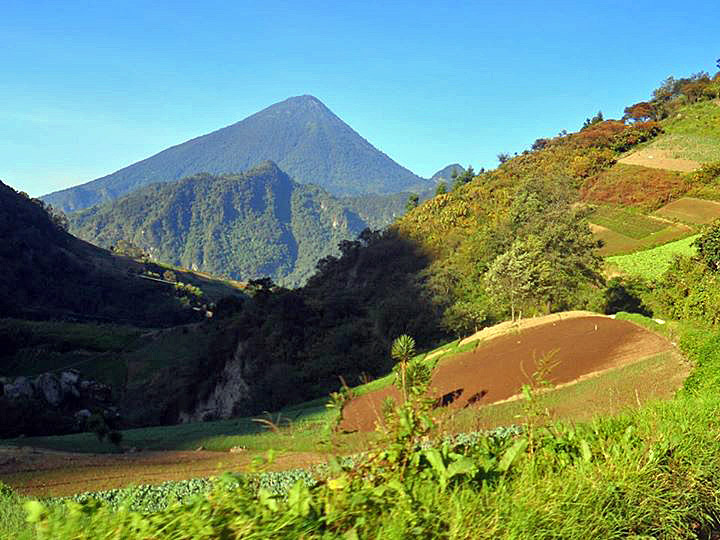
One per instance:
(250, 225)
(300, 134)
(445, 174)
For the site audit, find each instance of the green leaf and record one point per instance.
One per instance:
(337, 484)
(585, 451)
(34, 510)
(436, 461)
(462, 466)
(299, 499)
(512, 454)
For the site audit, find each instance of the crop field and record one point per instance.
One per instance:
(626, 231)
(656, 377)
(691, 210)
(626, 222)
(652, 263)
(635, 185)
(699, 148)
(299, 433)
(692, 136)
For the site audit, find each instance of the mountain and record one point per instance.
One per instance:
(300, 134)
(445, 174)
(48, 274)
(250, 225)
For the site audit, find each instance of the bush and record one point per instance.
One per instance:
(626, 294)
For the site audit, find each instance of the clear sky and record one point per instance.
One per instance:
(89, 87)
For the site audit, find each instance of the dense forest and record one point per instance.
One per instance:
(244, 226)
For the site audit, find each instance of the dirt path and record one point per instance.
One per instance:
(496, 370)
(39, 472)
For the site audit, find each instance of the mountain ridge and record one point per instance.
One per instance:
(304, 137)
(250, 225)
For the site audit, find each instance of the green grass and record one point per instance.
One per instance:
(702, 119)
(652, 263)
(626, 221)
(35, 347)
(12, 516)
(693, 133)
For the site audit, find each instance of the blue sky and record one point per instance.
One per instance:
(89, 87)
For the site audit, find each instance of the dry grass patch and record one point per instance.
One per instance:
(633, 185)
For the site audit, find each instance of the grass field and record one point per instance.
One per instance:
(691, 210)
(693, 134)
(652, 263)
(34, 347)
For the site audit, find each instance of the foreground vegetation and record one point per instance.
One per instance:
(651, 472)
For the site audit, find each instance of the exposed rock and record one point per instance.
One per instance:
(69, 381)
(50, 388)
(228, 398)
(21, 388)
(83, 413)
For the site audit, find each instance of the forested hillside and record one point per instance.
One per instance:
(245, 226)
(49, 274)
(300, 134)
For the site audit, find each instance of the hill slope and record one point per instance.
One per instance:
(300, 134)
(48, 273)
(255, 224)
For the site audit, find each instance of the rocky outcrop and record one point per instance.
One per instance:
(51, 403)
(230, 397)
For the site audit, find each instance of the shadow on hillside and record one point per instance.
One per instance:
(300, 344)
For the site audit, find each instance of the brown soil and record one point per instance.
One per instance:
(497, 369)
(659, 159)
(33, 471)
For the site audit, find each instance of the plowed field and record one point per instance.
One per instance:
(496, 370)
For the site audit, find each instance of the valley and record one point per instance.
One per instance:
(383, 356)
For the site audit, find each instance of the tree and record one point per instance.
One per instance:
(412, 202)
(545, 252)
(403, 349)
(503, 157)
(640, 112)
(464, 178)
(594, 120)
(441, 188)
(518, 275)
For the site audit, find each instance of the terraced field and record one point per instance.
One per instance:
(626, 231)
(690, 210)
(691, 138)
(186, 451)
(652, 263)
